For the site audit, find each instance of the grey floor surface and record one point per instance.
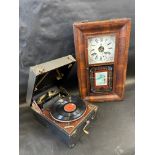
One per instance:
(112, 133)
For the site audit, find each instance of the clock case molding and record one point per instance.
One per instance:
(82, 31)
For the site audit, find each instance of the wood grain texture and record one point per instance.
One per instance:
(69, 127)
(82, 30)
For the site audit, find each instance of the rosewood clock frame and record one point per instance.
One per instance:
(82, 31)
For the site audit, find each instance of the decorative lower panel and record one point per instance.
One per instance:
(101, 79)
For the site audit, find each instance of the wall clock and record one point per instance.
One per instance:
(102, 53)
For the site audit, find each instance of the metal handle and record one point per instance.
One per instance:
(69, 126)
(84, 129)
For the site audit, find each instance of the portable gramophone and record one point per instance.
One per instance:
(53, 105)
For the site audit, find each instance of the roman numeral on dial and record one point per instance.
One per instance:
(92, 50)
(96, 40)
(93, 54)
(96, 57)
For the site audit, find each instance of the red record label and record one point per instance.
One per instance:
(70, 107)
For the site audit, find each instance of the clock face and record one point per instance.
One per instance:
(101, 49)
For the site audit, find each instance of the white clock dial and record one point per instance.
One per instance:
(101, 49)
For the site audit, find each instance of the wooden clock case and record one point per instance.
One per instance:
(82, 31)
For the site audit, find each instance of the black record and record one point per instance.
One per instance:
(68, 109)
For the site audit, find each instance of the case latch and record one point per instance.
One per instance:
(41, 70)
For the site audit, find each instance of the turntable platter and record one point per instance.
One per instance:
(68, 109)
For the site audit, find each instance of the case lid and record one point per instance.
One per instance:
(46, 75)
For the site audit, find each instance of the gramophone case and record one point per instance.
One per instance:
(47, 76)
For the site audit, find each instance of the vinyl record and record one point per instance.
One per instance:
(68, 109)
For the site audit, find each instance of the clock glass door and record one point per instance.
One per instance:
(101, 54)
(101, 79)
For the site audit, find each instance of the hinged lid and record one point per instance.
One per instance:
(46, 75)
